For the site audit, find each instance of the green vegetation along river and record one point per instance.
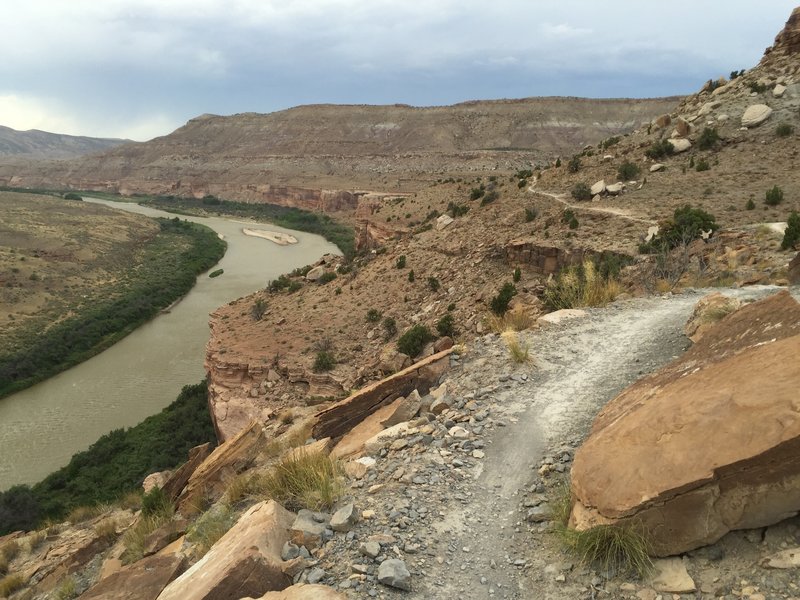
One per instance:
(43, 426)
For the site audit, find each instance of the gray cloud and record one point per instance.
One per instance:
(139, 68)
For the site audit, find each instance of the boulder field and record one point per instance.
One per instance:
(708, 444)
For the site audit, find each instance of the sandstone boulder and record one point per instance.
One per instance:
(708, 444)
(779, 90)
(303, 591)
(210, 479)
(656, 167)
(443, 221)
(755, 115)
(662, 121)
(680, 144)
(559, 316)
(178, 480)
(315, 273)
(392, 361)
(707, 312)
(599, 187)
(615, 188)
(155, 480)
(682, 127)
(246, 561)
(143, 580)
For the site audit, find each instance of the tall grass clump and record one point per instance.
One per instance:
(311, 480)
(156, 511)
(619, 548)
(579, 286)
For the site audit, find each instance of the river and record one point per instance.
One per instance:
(43, 426)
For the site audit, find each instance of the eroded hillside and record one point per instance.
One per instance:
(292, 155)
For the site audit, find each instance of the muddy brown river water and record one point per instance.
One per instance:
(43, 426)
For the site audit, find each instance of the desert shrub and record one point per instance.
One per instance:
(311, 480)
(517, 275)
(499, 304)
(708, 138)
(684, 226)
(791, 237)
(750, 205)
(433, 284)
(327, 277)
(490, 197)
(568, 217)
(389, 327)
(608, 142)
(580, 285)
(281, 283)
(457, 210)
(784, 130)
(574, 164)
(518, 349)
(478, 192)
(301, 271)
(133, 540)
(702, 165)
(411, 276)
(530, 214)
(628, 170)
(758, 88)
(324, 361)
(660, 149)
(522, 183)
(774, 196)
(294, 286)
(258, 309)
(446, 326)
(616, 548)
(414, 339)
(401, 262)
(581, 191)
(373, 315)
(72, 196)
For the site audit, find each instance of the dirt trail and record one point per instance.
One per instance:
(579, 366)
(617, 212)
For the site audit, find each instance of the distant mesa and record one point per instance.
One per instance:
(36, 144)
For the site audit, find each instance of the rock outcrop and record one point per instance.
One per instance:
(143, 580)
(246, 561)
(707, 312)
(788, 40)
(303, 591)
(708, 444)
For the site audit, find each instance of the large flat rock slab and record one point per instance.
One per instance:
(708, 444)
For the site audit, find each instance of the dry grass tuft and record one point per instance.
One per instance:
(134, 537)
(36, 539)
(515, 319)
(517, 349)
(210, 527)
(302, 480)
(10, 584)
(80, 514)
(106, 530)
(67, 590)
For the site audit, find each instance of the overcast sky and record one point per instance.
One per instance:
(141, 68)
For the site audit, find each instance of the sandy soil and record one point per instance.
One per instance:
(282, 239)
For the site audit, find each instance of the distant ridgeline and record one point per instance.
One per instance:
(164, 277)
(114, 465)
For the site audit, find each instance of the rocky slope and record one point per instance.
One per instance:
(288, 157)
(39, 145)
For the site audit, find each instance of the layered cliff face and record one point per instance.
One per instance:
(291, 157)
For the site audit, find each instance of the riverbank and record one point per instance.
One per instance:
(163, 270)
(114, 465)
